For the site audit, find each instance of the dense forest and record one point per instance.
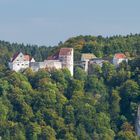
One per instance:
(53, 105)
(100, 46)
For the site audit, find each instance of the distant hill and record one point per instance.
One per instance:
(104, 46)
(100, 46)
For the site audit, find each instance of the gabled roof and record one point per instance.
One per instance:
(26, 57)
(88, 56)
(53, 57)
(15, 56)
(119, 56)
(65, 51)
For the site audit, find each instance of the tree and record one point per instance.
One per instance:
(48, 133)
(129, 92)
(33, 131)
(108, 71)
(3, 111)
(127, 133)
(80, 74)
(115, 109)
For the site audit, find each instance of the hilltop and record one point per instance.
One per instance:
(53, 105)
(100, 46)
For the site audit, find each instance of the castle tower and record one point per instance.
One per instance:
(66, 57)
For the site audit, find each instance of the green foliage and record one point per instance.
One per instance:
(55, 106)
(104, 46)
(130, 93)
(127, 133)
(80, 74)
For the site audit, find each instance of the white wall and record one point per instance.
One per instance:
(17, 66)
(67, 61)
(116, 62)
(53, 64)
(19, 63)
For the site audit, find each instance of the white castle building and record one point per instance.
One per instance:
(66, 58)
(20, 61)
(119, 58)
(62, 59)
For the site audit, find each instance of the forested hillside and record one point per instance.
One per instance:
(7, 50)
(104, 47)
(100, 46)
(55, 106)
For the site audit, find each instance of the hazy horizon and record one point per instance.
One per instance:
(48, 22)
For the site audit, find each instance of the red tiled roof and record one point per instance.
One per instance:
(120, 56)
(27, 58)
(65, 51)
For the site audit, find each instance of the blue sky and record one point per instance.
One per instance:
(47, 22)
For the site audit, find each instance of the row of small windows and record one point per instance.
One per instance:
(18, 60)
(23, 64)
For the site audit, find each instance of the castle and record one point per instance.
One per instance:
(119, 58)
(89, 59)
(62, 59)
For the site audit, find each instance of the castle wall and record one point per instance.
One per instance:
(35, 66)
(67, 61)
(53, 64)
